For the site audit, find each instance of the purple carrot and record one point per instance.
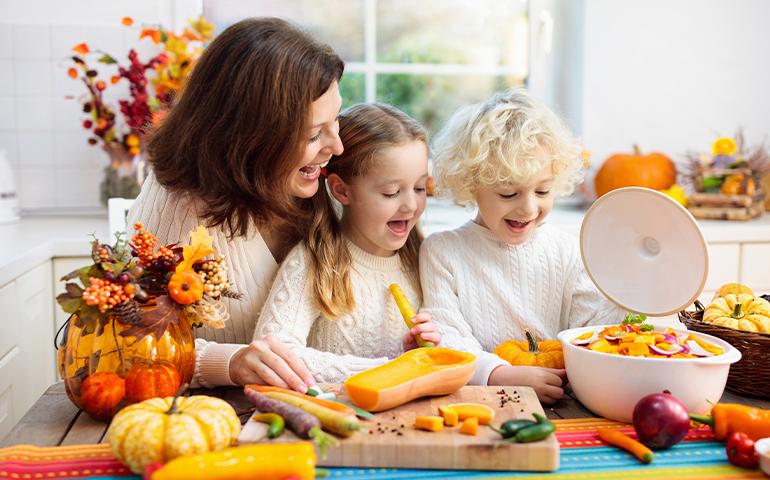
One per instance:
(299, 421)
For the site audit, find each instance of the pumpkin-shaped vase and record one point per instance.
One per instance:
(109, 364)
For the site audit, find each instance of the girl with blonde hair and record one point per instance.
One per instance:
(506, 272)
(330, 302)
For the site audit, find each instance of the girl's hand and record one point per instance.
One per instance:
(268, 361)
(425, 328)
(547, 382)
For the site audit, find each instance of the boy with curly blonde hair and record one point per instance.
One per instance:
(505, 272)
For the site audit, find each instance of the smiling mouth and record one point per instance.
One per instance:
(517, 224)
(312, 170)
(399, 227)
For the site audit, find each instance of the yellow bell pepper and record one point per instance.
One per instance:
(266, 461)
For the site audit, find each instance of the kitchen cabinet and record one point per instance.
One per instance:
(27, 355)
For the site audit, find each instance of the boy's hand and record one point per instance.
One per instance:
(425, 328)
(547, 382)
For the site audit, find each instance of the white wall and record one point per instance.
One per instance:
(671, 75)
(40, 128)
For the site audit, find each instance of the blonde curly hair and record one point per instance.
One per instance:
(497, 142)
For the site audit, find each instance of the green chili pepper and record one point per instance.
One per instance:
(534, 433)
(511, 427)
(274, 421)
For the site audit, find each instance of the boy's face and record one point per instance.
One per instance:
(513, 212)
(383, 205)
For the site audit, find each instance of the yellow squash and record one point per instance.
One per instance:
(161, 429)
(734, 288)
(528, 352)
(417, 373)
(742, 312)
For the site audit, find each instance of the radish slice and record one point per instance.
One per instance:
(585, 341)
(697, 350)
(676, 348)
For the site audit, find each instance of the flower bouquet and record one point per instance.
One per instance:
(129, 336)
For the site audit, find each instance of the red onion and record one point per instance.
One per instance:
(661, 420)
(676, 349)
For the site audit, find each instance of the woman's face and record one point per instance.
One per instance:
(322, 141)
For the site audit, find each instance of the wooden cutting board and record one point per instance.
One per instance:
(390, 440)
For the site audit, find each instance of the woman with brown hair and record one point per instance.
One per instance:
(330, 301)
(241, 152)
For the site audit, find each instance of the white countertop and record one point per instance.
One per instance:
(36, 239)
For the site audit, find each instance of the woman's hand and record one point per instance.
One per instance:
(425, 328)
(547, 382)
(268, 361)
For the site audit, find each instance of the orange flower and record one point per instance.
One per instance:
(100, 85)
(81, 48)
(114, 79)
(153, 33)
(127, 21)
(72, 72)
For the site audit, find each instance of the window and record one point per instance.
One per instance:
(427, 57)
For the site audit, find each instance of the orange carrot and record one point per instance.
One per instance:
(336, 406)
(620, 439)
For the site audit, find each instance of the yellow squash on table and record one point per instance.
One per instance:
(417, 373)
(528, 352)
(741, 312)
(161, 429)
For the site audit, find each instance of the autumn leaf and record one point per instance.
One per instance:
(200, 246)
(81, 48)
(156, 320)
(107, 59)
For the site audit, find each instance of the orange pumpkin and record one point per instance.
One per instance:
(145, 381)
(654, 170)
(528, 352)
(185, 287)
(100, 394)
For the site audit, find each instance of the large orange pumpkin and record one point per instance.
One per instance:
(146, 380)
(654, 170)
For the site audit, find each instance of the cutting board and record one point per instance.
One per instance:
(390, 439)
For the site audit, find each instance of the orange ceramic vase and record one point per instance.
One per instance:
(113, 365)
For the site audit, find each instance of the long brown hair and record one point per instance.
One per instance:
(365, 130)
(235, 135)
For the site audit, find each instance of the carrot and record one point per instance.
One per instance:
(302, 423)
(336, 406)
(407, 312)
(331, 420)
(620, 439)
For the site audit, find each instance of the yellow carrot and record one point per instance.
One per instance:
(331, 420)
(407, 312)
(620, 439)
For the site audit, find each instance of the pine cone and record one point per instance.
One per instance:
(128, 313)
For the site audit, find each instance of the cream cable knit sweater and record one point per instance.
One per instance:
(481, 291)
(362, 339)
(251, 269)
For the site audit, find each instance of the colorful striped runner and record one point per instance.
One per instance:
(583, 457)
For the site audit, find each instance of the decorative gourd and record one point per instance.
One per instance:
(161, 429)
(528, 352)
(185, 287)
(145, 381)
(100, 394)
(734, 288)
(654, 170)
(417, 373)
(742, 312)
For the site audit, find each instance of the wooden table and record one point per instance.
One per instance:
(54, 420)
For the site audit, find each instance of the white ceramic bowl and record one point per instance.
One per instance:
(611, 385)
(762, 447)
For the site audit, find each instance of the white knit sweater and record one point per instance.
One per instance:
(482, 291)
(251, 269)
(362, 339)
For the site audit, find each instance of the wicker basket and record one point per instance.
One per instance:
(749, 376)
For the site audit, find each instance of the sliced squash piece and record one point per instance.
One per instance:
(417, 373)
(464, 411)
(430, 423)
(470, 426)
(450, 416)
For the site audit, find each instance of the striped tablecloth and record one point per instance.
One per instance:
(583, 456)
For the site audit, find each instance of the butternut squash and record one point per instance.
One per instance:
(470, 426)
(430, 423)
(473, 410)
(417, 373)
(450, 416)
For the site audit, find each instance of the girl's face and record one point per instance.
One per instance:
(322, 142)
(382, 206)
(513, 212)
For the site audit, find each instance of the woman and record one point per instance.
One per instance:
(241, 152)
